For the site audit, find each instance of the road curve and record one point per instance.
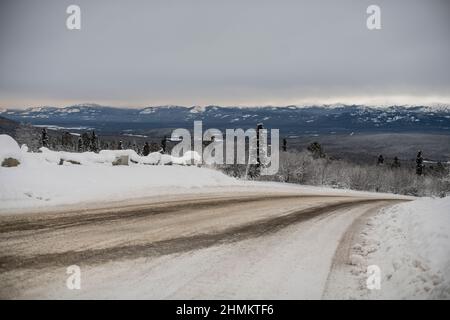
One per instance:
(36, 248)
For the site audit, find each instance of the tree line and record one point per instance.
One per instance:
(90, 142)
(312, 166)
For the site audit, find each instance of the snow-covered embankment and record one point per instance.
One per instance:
(410, 243)
(52, 178)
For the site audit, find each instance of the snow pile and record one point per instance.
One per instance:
(46, 184)
(109, 156)
(410, 243)
(9, 148)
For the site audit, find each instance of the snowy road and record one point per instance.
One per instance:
(232, 245)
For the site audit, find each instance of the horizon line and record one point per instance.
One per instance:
(301, 105)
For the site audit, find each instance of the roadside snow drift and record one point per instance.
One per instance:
(39, 180)
(410, 243)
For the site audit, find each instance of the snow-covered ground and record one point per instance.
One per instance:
(48, 185)
(410, 243)
(39, 180)
(291, 263)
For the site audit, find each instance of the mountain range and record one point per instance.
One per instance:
(289, 119)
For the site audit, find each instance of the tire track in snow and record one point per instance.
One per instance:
(63, 220)
(247, 230)
(339, 277)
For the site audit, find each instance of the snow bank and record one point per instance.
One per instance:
(46, 184)
(109, 156)
(9, 148)
(89, 176)
(40, 181)
(410, 242)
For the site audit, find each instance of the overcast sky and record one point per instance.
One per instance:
(228, 52)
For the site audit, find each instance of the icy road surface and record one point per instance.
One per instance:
(233, 245)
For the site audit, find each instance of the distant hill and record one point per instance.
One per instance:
(23, 133)
(291, 120)
(8, 126)
(356, 133)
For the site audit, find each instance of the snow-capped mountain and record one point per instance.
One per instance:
(290, 119)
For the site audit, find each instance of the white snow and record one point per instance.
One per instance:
(292, 263)
(410, 242)
(135, 135)
(148, 110)
(197, 109)
(107, 157)
(76, 110)
(9, 148)
(53, 127)
(39, 180)
(48, 184)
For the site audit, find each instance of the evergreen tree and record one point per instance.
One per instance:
(94, 142)
(26, 134)
(419, 164)
(120, 145)
(44, 138)
(80, 144)
(164, 144)
(316, 149)
(86, 141)
(380, 160)
(66, 141)
(284, 145)
(155, 147)
(146, 150)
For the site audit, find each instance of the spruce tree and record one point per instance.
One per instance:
(94, 142)
(86, 141)
(284, 144)
(44, 138)
(380, 160)
(316, 149)
(419, 164)
(164, 144)
(146, 150)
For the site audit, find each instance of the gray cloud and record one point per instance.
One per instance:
(222, 52)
